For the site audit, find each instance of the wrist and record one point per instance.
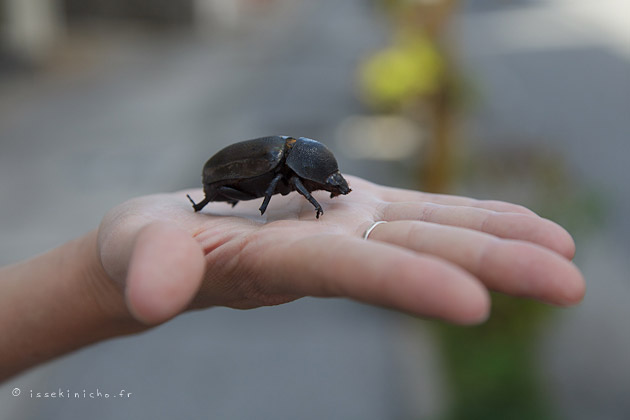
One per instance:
(56, 303)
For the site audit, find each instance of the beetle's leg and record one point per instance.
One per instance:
(302, 190)
(271, 189)
(198, 206)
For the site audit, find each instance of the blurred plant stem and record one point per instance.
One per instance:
(413, 76)
(435, 171)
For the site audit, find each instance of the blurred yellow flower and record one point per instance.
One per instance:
(411, 67)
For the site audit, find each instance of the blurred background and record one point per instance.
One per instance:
(523, 100)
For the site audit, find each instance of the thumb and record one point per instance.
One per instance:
(166, 269)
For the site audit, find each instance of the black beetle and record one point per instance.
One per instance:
(270, 165)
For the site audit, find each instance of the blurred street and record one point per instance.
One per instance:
(138, 112)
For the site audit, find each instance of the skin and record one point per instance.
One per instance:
(153, 258)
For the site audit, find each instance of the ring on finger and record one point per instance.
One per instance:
(371, 228)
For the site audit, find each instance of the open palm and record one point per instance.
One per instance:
(437, 257)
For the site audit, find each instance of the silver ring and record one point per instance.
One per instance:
(371, 228)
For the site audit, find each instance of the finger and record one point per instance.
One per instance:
(401, 195)
(509, 266)
(504, 225)
(165, 272)
(376, 273)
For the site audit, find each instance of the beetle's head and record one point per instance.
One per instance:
(338, 184)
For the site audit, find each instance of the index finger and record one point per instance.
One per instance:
(399, 195)
(395, 195)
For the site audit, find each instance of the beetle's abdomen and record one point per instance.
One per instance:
(246, 159)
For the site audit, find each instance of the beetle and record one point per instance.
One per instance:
(271, 165)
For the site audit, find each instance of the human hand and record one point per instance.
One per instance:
(437, 256)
